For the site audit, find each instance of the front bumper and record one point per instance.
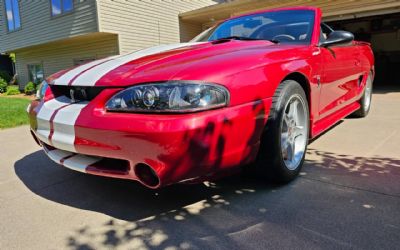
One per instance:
(177, 147)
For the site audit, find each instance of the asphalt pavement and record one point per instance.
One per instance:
(347, 197)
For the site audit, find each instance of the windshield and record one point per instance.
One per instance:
(286, 26)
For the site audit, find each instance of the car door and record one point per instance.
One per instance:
(340, 75)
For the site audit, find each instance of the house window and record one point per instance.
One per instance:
(61, 6)
(12, 13)
(36, 74)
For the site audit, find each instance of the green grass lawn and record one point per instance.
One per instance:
(13, 112)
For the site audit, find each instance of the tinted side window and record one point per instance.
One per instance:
(286, 26)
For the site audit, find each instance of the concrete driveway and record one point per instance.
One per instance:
(348, 196)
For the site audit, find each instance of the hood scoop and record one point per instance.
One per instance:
(221, 41)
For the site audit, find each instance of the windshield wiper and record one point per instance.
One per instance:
(243, 38)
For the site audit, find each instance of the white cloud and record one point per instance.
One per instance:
(56, 9)
(9, 16)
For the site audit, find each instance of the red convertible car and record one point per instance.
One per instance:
(250, 91)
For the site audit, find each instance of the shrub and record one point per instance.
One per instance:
(12, 90)
(3, 85)
(5, 75)
(30, 88)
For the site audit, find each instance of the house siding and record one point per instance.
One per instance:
(38, 26)
(61, 55)
(189, 30)
(146, 23)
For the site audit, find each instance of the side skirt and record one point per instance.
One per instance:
(327, 122)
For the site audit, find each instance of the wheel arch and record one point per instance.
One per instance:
(303, 81)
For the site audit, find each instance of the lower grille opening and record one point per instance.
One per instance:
(110, 165)
(88, 163)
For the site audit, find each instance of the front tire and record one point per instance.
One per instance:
(284, 141)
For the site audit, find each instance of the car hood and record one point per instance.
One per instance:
(204, 61)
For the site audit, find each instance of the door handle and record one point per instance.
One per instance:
(357, 63)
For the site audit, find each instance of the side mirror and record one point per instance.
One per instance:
(338, 37)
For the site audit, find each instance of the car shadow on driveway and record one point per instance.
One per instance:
(234, 212)
(113, 197)
(129, 201)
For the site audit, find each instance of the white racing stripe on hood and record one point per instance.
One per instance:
(67, 77)
(91, 76)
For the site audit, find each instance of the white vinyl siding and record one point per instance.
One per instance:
(146, 23)
(38, 26)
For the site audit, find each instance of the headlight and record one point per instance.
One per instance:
(41, 91)
(177, 96)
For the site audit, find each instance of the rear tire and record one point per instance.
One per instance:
(284, 141)
(365, 100)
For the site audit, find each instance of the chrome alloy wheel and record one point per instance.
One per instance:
(294, 132)
(368, 93)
